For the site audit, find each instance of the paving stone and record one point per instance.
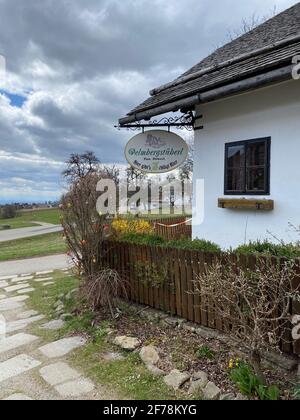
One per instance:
(12, 303)
(75, 388)
(154, 370)
(18, 397)
(11, 306)
(3, 284)
(7, 277)
(58, 373)
(56, 324)
(149, 355)
(48, 284)
(62, 347)
(16, 287)
(2, 327)
(16, 366)
(15, 299)
(2, 297)
(27, 314)
(26, 275)
(21, 324)
(227, 397)
(127, 343)
(18, 280)
(43, 273)
(29, 290)
(43, 280)
(241, 397)
(21, 279)
(15, 341)
(176, 379)
(199, 381)
(211, 391)
(201, 376)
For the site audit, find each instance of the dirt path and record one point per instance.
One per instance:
(29, 368)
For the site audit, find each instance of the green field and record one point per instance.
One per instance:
(36, 246)
(26, 218)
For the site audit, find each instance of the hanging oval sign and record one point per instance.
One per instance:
(156, 151)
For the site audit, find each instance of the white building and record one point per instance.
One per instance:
(248, 151)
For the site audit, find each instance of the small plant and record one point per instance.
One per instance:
(250, 385)
(101, 331)
(269, 249)
(296, 394)
(206, 352)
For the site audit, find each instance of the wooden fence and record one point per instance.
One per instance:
(173, 228)
(145, 270)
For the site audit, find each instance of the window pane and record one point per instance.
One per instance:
(256, 154)
(236, 156)
(235, 180)
(255, 180)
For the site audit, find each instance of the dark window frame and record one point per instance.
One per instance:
(267, 167)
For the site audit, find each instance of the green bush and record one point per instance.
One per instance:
(155, 240)
(269, 249)
(196, 244)
(251, 386)
(141, 239)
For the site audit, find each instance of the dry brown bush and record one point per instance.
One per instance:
(255, 304)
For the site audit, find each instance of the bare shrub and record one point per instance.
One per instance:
(83, 226)
(102, 290)
(256, 304)
(85, 231)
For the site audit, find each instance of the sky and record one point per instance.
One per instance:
(73, 67)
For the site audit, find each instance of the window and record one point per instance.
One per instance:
(247, 167)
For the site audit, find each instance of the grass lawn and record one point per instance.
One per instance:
(128, 378)
(52, 243)
(26, 218)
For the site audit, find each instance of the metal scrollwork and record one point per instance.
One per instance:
(181, 122)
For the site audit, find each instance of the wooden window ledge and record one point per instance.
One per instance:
(247, 204)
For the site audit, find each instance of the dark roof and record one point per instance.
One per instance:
(269, 46)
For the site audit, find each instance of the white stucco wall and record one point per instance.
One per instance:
(274, 112)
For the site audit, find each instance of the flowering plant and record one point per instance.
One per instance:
(123, 226)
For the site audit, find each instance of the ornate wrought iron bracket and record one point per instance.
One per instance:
(186, 121)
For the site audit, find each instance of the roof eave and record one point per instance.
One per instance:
(251, 83)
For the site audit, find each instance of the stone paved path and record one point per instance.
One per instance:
(52, 262)
(29, 368)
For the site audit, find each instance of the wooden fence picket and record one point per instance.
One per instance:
(177, 271)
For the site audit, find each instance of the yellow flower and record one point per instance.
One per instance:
(231, 363)
(122, 226)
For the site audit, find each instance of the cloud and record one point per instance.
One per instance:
(80, 65)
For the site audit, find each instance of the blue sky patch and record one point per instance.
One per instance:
(15, 100)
